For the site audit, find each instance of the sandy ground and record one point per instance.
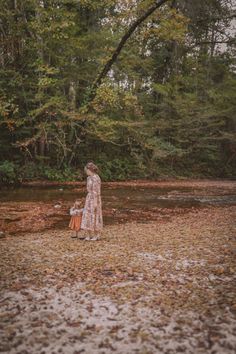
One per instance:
(144, 288)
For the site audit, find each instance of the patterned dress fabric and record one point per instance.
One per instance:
(92, 219)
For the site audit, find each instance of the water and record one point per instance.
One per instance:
(22, 207)
(125, 197)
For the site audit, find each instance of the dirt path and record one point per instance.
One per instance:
(144, 288)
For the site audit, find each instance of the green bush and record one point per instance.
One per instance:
(33, 171)
(8, 173)
(64, 174)
(118, 169)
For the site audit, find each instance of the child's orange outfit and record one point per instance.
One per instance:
(76, 217)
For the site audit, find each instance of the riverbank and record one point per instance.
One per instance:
(40, 207)
(162, 182)
(154, 287)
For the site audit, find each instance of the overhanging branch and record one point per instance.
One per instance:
(121, 44)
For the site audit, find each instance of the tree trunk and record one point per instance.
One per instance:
(72, 95)
(120, 46)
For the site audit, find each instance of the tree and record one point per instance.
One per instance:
(121, 44)
(162, 98)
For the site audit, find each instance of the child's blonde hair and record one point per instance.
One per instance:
(78, 202)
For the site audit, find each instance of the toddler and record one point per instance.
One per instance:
(76, 216)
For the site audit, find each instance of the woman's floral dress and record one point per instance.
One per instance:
(92, 219)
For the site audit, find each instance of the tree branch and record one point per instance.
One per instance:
(230, 41)
(120, 46)
(231, 16)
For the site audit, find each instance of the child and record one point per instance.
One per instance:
(76, 217)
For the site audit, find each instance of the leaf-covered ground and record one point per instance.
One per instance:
(156, 287)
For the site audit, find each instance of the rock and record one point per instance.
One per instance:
(57, 206)
(2, 234)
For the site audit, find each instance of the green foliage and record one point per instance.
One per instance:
(8, 173)
(118, 169)
(167, 107)
(173, 26)
(33, 171)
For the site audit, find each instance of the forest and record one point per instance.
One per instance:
(146, 89)
(134, 252)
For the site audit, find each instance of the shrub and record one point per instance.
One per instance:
(118, 169)
(8, 173)
(33, 171)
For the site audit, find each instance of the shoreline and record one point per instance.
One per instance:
(38, 215)
(189, 182)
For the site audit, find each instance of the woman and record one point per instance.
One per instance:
(92, 220)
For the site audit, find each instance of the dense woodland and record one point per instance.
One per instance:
(160, 104)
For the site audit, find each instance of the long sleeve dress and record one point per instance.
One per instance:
(92, 218)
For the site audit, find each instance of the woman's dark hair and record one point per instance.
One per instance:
(92, 167)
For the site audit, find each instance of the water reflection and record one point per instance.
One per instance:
(123, 197)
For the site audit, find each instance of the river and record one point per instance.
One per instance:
(36, 207)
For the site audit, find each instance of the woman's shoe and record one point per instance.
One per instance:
(95, 238)
(87, 238)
